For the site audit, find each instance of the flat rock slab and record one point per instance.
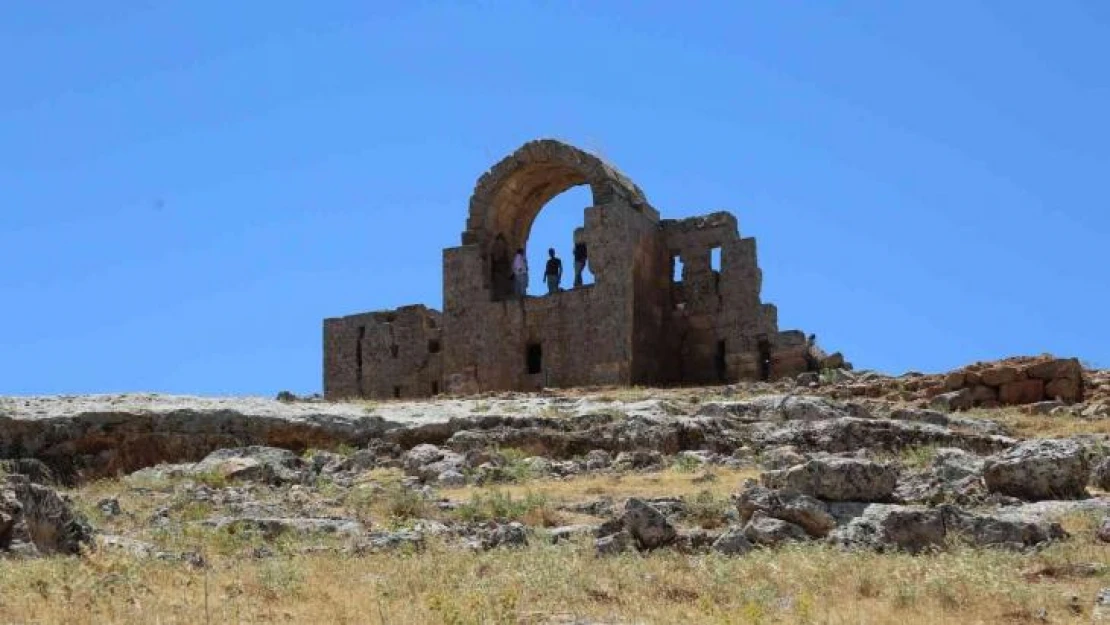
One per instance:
(97, 435)
(89, 436)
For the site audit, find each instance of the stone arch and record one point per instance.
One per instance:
(507, 198)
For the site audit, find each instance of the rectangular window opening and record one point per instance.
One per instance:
(715, 259)
(396, 392)
(435, 388)
(534, 358)
(433, 346)
(394, 350)
(676, 269)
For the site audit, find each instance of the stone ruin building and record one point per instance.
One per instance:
(635, 325)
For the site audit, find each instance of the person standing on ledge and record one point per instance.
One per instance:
(520, 273)
(553, 273)
(579, 262)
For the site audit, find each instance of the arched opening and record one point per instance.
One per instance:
(554, 227)
(508, 198)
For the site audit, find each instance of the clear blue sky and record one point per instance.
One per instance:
(188, 188)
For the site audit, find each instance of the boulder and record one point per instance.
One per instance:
(451, 479)
(1103, 532)
(1039, 469)
(613, 544)
(927, 488)
(37, 520)
(421, 455)
(732, 543)
(952, 463)
(647, 525)
(781, 458)
(639, 459)
(568, 532)
(915, 529)
(269, 465)
(810, 514)
(952, 401)
(893, 528)
(954, 476)
(109, 507)
(808, 378)
(598, 459)
(694, 540)
(36, 470)
(427, 462)
(837, 479)
(1100, 475)
(1006, 529)
(505, 535)
(767, 531)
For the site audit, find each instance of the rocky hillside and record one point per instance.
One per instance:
(983, 490)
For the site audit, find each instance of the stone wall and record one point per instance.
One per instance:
(1011, 382)
(634, 325)
(384, 354)
(583, 336)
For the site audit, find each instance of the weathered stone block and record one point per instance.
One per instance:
(1058, 368)
(1064, 389)
(997, 376)
(1021, 392)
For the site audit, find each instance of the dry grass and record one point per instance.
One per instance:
(443, 584)
(312, 579)
(668, 483)
(1025, 425)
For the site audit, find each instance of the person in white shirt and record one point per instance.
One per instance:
(520, 273)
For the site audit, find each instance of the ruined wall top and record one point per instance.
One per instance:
(508, 197)
(719, 219)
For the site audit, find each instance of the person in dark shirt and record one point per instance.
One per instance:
(579, 262)
(553, 273)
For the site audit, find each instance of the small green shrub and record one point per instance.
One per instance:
(212, 479)
(707, 510)
(533, 508)
(686, 464)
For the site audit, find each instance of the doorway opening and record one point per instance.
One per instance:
(533, 359)
(764, 359)
(721, 362)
